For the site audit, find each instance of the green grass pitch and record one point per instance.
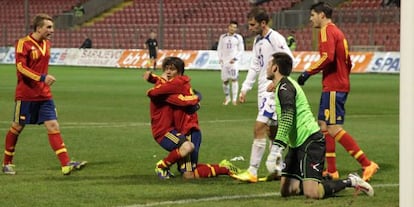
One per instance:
(104, 119)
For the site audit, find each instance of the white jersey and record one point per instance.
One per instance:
(263, 49)
(230, 47)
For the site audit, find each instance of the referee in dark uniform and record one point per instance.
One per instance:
(152, 45)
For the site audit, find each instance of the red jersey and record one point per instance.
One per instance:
(183, 121)
(32, 62)
(161, 111)
(335, 61)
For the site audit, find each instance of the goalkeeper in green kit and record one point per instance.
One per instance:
(299, 133)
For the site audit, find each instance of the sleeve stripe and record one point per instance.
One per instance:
(324, 37)
(20, 46)
(27, 73)
(319, 62)
(187, 98)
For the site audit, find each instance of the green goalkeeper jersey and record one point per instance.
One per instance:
(295, 119)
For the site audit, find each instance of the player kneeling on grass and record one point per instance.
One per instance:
(174, 123)
(298, 130)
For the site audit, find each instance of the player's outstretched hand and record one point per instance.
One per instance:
(50, 79)
(303, 77)
(271, 87)
(192, 109)
(274, 162)
(146, 75)
(197, 93)
(242, 97)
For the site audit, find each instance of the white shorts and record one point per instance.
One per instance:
(229, 72)
(266, 105)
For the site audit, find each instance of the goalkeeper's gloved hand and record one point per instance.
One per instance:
(274, 162)
(192, 109)
(303, 77)
(197, 93)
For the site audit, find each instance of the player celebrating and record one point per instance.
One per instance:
(230, 48)
(175, 126)
(336, 65)
(267, 42)
(33, 98)
(302, 171)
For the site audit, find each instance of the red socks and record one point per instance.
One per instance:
(210, 170)
(56, 142)
(172, 157)
(330, 152)
(10, 144)
(352, 147)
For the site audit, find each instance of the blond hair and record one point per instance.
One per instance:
(38, 20)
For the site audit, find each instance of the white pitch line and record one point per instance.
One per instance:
(233, 197)
(215, 198)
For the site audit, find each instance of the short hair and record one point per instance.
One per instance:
(234, 22)
(174, 61)
(259, 14)
(38, 20)
(322, 7)
(284, 62)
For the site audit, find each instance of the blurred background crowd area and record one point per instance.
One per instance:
(370, 25)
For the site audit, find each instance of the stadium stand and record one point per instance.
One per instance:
(368, 25)
(12, 17)
(197, 24)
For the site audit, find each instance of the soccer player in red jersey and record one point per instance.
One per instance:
(335, 64)
(33, 98)
(173, 112)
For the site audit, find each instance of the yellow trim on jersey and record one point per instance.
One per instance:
(41, 49)
(34, 55)
(27, 73)
(346, 47)
(332, 107)
(324, 56)
(187, 98)
(20, 44)
(213, 171)
(324, 37)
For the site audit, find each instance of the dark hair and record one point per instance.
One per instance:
(259, 14)
(38, 20)
(234, 22)
(284, 62)
(177, 62)
(322, 7)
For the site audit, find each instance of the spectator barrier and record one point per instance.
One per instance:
(363, 62)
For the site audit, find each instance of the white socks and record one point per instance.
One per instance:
(226, 90)
(234, 90)
(258, 149)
